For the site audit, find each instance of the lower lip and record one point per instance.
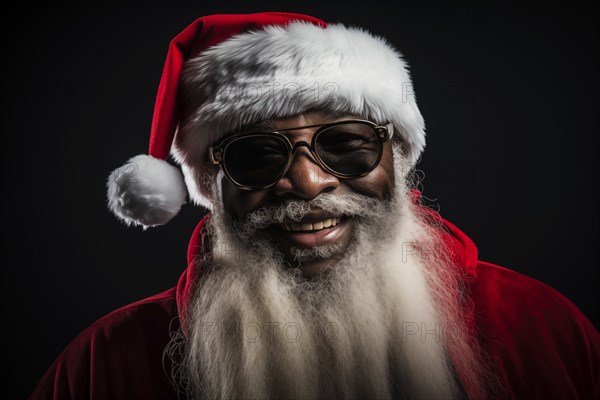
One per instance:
(316, 238)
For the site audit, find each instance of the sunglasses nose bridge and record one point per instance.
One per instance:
(305, 178)
(311, 151)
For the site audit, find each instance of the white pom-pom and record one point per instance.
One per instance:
(146, 191)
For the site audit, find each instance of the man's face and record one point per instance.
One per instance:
(305, 180)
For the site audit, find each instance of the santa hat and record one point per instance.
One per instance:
(225, 72)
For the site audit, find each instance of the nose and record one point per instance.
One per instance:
(305, 178)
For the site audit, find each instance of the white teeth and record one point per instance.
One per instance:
(307, 226)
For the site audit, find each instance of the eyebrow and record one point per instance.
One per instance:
(266, 125)
(338, 114)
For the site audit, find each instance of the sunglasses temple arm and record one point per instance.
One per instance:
(390, 130)
(216, 155)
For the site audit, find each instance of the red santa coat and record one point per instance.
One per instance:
(538, 343)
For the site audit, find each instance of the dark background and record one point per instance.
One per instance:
(508, 92)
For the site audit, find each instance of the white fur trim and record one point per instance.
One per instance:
(283, 71)
(146, 191)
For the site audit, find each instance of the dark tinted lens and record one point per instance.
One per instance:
(349, 149)
(256, 160)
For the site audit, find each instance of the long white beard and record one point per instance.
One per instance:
(381, 325)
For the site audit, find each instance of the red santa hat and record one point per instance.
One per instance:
(224, 72)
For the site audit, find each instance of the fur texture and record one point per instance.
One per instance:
(145, 191)
(282, 71)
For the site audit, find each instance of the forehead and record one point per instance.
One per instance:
(313, 117)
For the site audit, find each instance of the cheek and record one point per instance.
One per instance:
(238, 203)
(380, 182)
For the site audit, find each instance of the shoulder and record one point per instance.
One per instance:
(498, 289)
(149, 312)
(508, 301)
(138, 322)
(118, 356)
(539, 342)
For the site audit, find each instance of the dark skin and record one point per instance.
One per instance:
(305, 180)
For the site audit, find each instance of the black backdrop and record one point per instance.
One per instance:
(508, 93)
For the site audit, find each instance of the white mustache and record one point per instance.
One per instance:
(350, 205)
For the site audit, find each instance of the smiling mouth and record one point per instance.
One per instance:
(314, 231)
(310, 226)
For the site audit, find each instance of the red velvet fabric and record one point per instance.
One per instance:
(198, 36)
(538, 343)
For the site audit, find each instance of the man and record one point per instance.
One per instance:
(317, 274)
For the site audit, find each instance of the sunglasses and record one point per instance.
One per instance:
(259, 159)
